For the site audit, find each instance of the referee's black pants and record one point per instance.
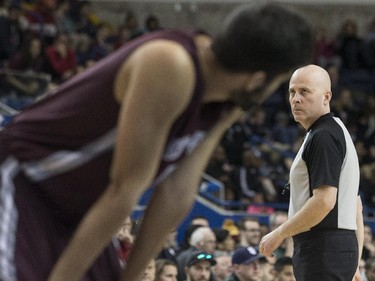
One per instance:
(325, 255)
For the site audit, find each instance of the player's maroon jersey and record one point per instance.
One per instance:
(59, 152)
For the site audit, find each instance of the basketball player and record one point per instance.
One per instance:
(149, 115)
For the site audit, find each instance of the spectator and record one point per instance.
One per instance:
(348, 46)
(26, 76)
(323, 47)
(61, 59)
(200, 220)
(362, 153)
(284, 269)
(234, 231)
(218, 166)
(82, 50)
(223, 268)
(202, 239)
(149, 273)
(250, 182)
(246, 178)
(249, 232)
(344, 106)
(369, 121)
(124, 240)
(334, 73)
(224, 241)
(122, 36)
(103, 44)
(236, 139)
(131, 22)
(245, 261)
(41, 21)
(370, 269)
(11, 33)
(196, 221)
(170, 248)
(86, 20)
(166, 270)
(283, 134)
(352, 71)
(30, 58)
(185, 244)
(368, 179)
(152, 23)
(267, 269)
(368, 243)
(65, 24)
(198, 266)
(368, 47)
(259, 135)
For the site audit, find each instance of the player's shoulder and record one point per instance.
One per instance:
(165, 54)
(165, 64)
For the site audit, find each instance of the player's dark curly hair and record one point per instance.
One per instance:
(263, 36)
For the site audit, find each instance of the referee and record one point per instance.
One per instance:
(325, 211)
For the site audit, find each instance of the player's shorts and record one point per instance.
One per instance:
(325, 255)
(32, 235)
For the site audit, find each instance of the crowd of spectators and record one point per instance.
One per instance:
(45, 42)
(234, 248)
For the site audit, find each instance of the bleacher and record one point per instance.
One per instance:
(210, 203)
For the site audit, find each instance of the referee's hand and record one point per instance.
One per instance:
(357, 276)
(270, 243)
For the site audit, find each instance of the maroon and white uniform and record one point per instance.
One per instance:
(55, 159)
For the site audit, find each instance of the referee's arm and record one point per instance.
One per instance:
(360, 233)
(313, 212)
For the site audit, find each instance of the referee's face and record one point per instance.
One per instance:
(309, 95)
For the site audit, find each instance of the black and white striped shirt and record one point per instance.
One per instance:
(327, 157)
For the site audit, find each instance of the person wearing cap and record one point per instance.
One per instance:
(246, 266)
(202, 239)
(198, 267)
(224, 241)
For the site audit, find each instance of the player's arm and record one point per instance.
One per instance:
(313, 212)
(159, 81)
(172, 199)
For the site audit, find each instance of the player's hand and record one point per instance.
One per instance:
(233, 115)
